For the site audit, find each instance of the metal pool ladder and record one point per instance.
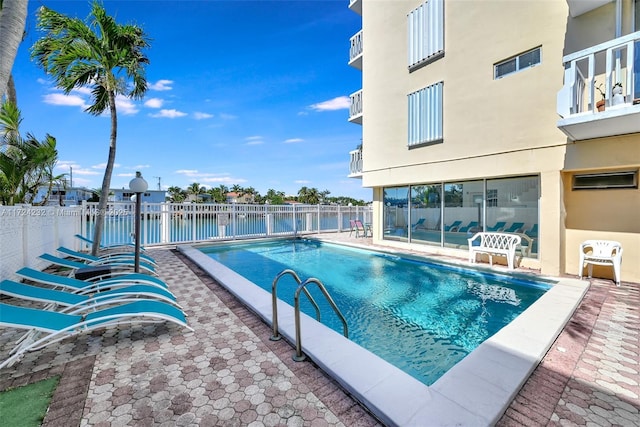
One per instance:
(302, 287)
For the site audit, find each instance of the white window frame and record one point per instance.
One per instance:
(517, 61)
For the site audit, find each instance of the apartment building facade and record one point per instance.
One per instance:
(485, 116)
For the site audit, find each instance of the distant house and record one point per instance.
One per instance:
(124, 195)
(62, 196)
(233, 197)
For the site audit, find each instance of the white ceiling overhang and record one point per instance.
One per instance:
(578, 7)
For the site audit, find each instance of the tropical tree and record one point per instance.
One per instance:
(25, 163)
(274, 197)
(310, 196)
(13, 16)
(176, 194)
(219, 194)
(102, 54)
(196, 190)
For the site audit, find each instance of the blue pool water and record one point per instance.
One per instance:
(422, 317)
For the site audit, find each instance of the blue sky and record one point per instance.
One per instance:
(253, 93)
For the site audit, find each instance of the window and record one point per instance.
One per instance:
(517, 63)
(492, 198)
(601, 181)
(426, 33)
(425, 115)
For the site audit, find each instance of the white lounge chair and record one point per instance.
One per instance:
(601, 252)
(47, 327)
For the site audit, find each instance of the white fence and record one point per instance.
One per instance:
(174, 223)
(28, 231)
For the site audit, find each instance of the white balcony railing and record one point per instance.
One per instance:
(355, 163)
(355, 108)
(355, 51)
(594, 73)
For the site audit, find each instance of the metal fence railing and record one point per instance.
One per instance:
(174, 223)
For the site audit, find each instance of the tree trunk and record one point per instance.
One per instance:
(106, 181)
(13, 17)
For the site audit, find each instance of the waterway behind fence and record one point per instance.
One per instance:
(172, 223)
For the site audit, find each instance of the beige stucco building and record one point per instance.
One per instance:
(483, 115)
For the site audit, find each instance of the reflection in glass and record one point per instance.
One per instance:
(426, 213)
(396, 213)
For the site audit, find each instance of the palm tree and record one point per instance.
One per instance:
(176, 194)
(25, 163)
(196, 190)
(101, 54)
(310, 196)
(13, 17)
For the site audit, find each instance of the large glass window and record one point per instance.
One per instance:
(516, 210)
(450, 213)
(462, 212)
(396, 213)
(426, 213)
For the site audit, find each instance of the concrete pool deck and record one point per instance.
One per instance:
(227, 372)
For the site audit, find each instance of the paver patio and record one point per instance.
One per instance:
(228, 373)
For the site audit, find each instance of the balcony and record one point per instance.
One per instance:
(355, 108)
(355, 51)
(579, 7)
(355, 163)
(597, 71)
(356, 6)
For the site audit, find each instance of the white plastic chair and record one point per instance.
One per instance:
(601, 252)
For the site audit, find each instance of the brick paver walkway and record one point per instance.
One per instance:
(227, 372)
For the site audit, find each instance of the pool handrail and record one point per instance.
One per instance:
(274, 301)
(299, 357)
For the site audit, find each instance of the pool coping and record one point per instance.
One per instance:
(476, 391)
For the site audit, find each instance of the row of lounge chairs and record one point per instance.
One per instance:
(51, 307)
(500, 226)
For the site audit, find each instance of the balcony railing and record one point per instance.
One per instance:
(355, 163)
(355, 51)
(355, 108)
(604, 70)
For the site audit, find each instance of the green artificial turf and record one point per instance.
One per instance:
(27, 405)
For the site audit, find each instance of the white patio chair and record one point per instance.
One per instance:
(601, 252)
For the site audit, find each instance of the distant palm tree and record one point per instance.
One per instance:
(196, 190)
(25, 163)
(310, 196)
(176, 194)
(101, 54)
(13, 17)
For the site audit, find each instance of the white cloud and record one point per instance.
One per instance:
(225, 116)
(65, 100)
(126, 174)
(254, 140)
(124, 106)
(187, 172)
(153, 103)
(302, 181)
(169, 114)
(200, 116)
(161, 85)
(339, 103)
(104, 166)
(206, 177)
(293, 140)
(138, 167)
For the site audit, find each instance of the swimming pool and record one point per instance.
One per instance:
(420, 316)
(475, 391)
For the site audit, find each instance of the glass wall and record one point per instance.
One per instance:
(396, 213)
(426, 214)
(447, 214)
(512, 207)
(462, 212)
